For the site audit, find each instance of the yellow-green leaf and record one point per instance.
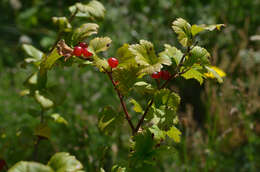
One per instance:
(42, 130)
(43, 101)
(100, 44)
(183, 30)
(24, 166)
(136, 106)
(174, 134)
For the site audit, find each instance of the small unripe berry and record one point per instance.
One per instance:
(86, 53)
(156, 75)
(77, 51)
(83, 45)
(113, 62)
(165, 75)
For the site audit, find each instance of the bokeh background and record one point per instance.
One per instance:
(220, 123)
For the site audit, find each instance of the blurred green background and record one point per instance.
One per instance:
(220, 123)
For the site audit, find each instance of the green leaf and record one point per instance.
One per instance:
(62, 23)
(99, 44)
(59, 119)
(43, 101)
(174, 134)
(32, 51)
(85, 31)
(126, 78)
(195, 29)
(172, 53)
(137, 107)
(144, 88)
(143, 149)
(109, 120)
(24, 166)
(158, 134)
(49, 60)
(194, 73)
(125, 56)
(35, 54)
(92, 10)
(198, 55)
(117, 168)
(101, 64)
(168, 98)
(42, 130)
(63, 161)
(211, 70)
(183, 29)
(145, 57)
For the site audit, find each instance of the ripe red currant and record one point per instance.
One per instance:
(77, 51)
(156, 75)
(86, 53)
(165, 75)
(113, 62)
(83, 45)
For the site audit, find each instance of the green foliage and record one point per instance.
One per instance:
(63, 161)
(183, 29)
(93, 10)
(84, 31)
(129, 78)
(100, 44)
(145, 57)
(109, 120)
(24, 166)
(62, 23)
(59, 162)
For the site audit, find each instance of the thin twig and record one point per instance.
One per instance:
(128, 117)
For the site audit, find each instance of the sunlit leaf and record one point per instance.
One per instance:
(85, 31)
(43, 101)
(171, 52)
(183, 30)
(93, 10)
(198, 55)
(24, 166)
(136, 106)
(145, 57)
(59, 119)
(62, 161)
(195, 29)
(216, 73)
(174, 134)
(194, 72)
(100, 44)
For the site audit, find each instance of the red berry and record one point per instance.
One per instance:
(83, 45)
(77, 51)
(165, 75)
(86, 53)
(156, 75)
(113, 62)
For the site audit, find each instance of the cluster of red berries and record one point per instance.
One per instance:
(82, 50)
(164, 74)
